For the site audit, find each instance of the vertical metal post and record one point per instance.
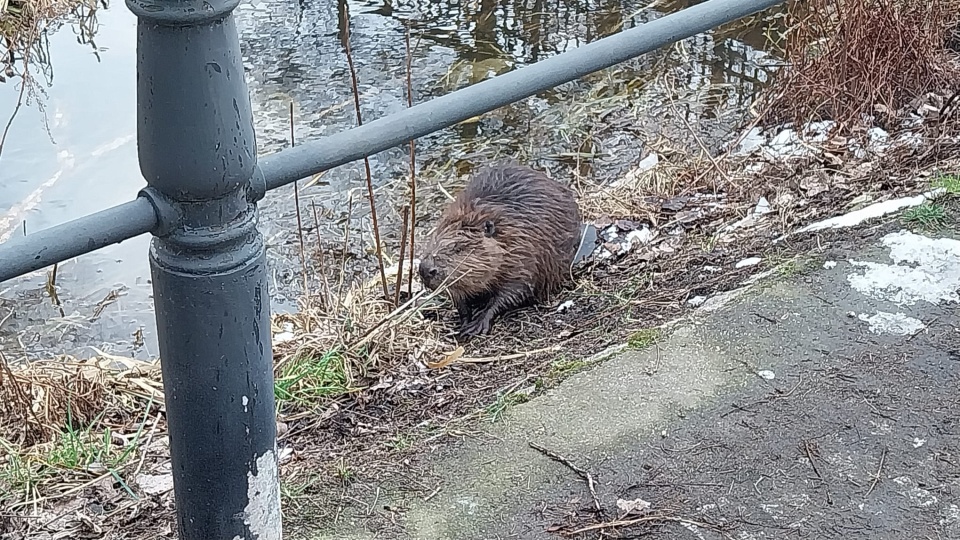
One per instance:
(197, 153)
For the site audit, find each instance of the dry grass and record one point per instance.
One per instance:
(323, 354)
(853, 59)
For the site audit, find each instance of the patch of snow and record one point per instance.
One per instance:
(752, 140)
(749, 262)
(763, 207)
(788, 142)
(878, 142)
(876, 210)
(283, 337)
(892, 323)
(641, 236)
(829, 264)
(918, 442)
(766, 374)
(931, 272)
(634, 506)
(610, 233)
(646, 164)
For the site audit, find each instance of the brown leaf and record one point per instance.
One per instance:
(612, 247)
(449, 359)
(602, 222)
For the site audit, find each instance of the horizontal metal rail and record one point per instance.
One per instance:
(21, 255)
(292, 164)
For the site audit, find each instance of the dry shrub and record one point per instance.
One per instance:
(851, 58)
(325, 353)
(38, 400)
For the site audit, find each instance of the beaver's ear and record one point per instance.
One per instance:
(489, 229)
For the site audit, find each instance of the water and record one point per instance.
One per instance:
(292, 53)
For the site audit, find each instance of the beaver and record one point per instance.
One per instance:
(506, 241)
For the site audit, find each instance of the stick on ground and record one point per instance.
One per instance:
(591, 485)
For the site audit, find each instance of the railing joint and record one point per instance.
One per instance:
(257, 188)
(169, 216)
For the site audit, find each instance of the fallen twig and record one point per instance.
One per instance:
(645, 519)
(876, 477)
(591, 485)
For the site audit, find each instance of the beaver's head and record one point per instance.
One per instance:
(463, 252)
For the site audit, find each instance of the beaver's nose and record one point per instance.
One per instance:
(428, 270)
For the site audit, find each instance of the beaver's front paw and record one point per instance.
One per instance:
(475, 327)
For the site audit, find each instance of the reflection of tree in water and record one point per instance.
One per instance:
(26, 31)
(26, 28)
(496, 34)
(519, 30)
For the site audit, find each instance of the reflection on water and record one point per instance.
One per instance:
(292, 53)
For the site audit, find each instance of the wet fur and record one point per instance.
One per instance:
(505, 242)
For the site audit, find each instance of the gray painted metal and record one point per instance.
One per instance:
(24, 254)
(197, 152)
(312, 157)
(57, 244)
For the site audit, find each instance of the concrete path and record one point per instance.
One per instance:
(817, 405)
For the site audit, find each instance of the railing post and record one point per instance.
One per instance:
(197, 153)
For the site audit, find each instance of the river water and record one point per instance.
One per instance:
(72, 151)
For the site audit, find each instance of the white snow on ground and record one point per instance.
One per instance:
(924, 269)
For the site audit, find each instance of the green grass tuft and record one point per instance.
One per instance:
(564, 367)
(797, 266)
(926, 216)
(496, 409)
(641, 339)
(307, 381)
(949, 182)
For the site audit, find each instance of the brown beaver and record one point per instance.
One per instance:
(506, 241)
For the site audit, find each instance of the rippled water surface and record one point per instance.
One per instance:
(74, 151)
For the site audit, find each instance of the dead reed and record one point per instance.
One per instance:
(345, 16)
(413, 170)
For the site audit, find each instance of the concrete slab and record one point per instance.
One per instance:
(816, 406)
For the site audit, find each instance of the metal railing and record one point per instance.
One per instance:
(207, 257)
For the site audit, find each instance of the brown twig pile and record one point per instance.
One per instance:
(52, 394)
(366, 336)
(853, 58)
